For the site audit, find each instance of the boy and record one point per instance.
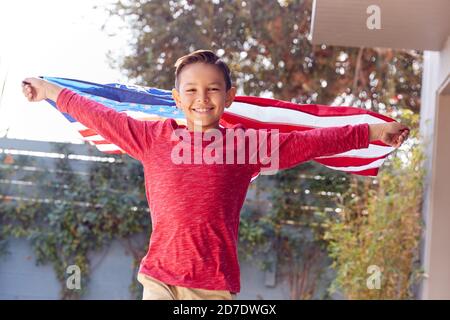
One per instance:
(195, 205)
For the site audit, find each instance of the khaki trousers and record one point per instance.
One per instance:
(157, 290)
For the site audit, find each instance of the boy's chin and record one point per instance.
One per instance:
(205, 124)
(204, 121)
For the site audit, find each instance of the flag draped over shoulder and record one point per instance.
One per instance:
(147, 103)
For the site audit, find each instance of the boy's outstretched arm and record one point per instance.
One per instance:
(129, 134)
(297, 147)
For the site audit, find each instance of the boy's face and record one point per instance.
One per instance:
(202, 95)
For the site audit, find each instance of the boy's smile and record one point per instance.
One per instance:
(202, 95)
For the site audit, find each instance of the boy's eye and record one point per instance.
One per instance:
(210, 89)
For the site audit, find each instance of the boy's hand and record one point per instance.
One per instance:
(35, 89)
(391, 133)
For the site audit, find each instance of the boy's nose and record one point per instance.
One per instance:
(202, 97)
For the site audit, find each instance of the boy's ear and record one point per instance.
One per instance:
(231, 93)
(176, 97)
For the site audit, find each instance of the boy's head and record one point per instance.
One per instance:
(202, 88)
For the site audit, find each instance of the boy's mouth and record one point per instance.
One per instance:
(202, 110)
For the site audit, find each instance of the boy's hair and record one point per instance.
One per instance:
(204, 56)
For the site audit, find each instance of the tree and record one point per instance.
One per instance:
(379, 228)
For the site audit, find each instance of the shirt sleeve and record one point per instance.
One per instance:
(131, 135)
(296, 147)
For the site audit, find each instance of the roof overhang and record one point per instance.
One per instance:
(405, 24)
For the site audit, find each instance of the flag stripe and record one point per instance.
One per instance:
(312, 109)
(318, 118)
(255, 123)
(374, 164)
(347, 161)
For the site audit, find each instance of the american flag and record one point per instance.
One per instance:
(148, 103)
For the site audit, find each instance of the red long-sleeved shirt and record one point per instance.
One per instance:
(195, 208)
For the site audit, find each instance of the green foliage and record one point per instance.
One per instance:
(380, 224)
(69, 216)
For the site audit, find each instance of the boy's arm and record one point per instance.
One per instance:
(297, 147)
(131, 135)
(300, 146)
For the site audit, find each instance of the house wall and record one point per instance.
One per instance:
(435, 129)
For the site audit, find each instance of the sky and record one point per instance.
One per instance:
(52, 38)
